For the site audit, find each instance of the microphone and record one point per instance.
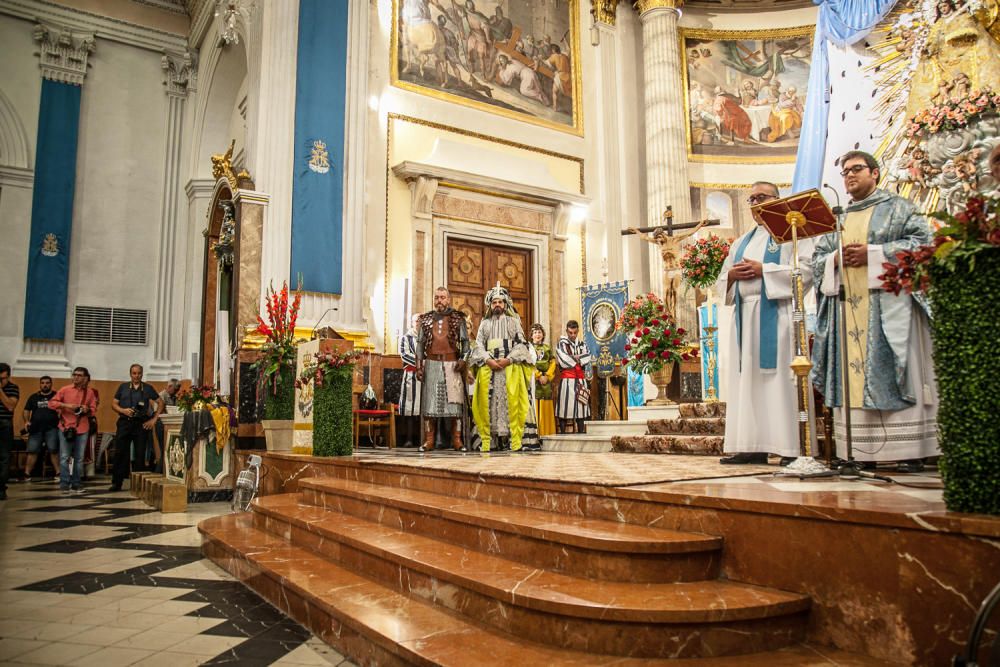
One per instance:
(838, 209)
(332, 309)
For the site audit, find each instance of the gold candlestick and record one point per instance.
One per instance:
(711, 359)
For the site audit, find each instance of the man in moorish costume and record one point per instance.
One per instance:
(409, 388)
(545, 373)
(893, 391)
(442, 346)
(574, 362)
(502, 403)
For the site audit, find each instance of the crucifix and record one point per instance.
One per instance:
(670, 247)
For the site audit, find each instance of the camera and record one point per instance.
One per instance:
(140, 411)
(69, 434)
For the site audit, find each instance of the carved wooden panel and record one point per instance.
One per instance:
(465, 266)
(512, 270)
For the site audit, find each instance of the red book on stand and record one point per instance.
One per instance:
(807, 211)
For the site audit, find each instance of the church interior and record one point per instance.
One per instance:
(467, 332)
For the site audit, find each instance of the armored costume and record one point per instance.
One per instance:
(442, 346)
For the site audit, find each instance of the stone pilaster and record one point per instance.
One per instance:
(63, 53)
(422, 192)
(180, 78)
(604, 11)
(610, 128)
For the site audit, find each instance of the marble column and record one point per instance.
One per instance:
(179, 79)
(666, 143)
(198, 192)
(63, 61)
(665, 118)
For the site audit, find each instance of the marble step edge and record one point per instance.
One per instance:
(717, 409)
(595, 534)
(687, 426)
(428, 634)
(715, 601)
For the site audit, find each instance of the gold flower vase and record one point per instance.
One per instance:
(661, 379)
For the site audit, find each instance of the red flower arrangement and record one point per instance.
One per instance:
(278, 350)
(325, 364)
(963, 236)
(703, 260)
(656, 340)
(198, 398)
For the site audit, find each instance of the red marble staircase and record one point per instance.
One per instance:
(394, 573)
(700, 429)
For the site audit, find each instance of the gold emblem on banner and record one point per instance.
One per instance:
(319, 158)
(50, 245)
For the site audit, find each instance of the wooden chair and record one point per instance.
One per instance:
(380, 420)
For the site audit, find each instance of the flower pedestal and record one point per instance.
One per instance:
(661, 378)
(333, 416)
(278, 434)
(966, 308)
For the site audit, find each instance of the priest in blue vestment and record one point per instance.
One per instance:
(890, 375)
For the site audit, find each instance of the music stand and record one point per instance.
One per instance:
(800, 216)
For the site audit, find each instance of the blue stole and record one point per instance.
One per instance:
(768, 357)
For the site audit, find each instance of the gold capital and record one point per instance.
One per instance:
(604, 11)
(643, 6)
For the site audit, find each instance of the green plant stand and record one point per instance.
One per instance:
(333, 416)
(965, 326)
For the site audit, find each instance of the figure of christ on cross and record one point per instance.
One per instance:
(670, 250)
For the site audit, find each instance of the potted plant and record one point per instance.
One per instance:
(276, 367)
(331, 376)
(656, 343)
(960, 273)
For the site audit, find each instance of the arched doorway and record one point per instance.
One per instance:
(218, 287)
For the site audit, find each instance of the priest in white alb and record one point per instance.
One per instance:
(891, 385)
(756, 280)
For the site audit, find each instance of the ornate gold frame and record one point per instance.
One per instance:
(577, 126)
(700, 33)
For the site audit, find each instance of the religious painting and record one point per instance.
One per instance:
(745, 93)
(516, 58)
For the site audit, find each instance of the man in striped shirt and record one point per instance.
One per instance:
(573, 359)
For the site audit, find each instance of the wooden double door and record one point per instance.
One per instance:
(474, 268)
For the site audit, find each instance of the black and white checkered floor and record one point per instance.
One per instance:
(102, 579)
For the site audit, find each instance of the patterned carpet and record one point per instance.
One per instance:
(608, 469)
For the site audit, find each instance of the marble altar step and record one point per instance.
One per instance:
(688, 619)
(610, 428)
(716, 409)
(578, 546)
(583, 443)
(708, 445)
(686, 426)
(377, 625)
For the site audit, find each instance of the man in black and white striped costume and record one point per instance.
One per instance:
(409, 388)
(573, 359)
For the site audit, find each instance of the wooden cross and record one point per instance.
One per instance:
(509, 49)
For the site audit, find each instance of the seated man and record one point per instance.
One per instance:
(502, 404)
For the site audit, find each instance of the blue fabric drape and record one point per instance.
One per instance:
(52, 212)
(842, 22)
(318, 187)
(768, 350)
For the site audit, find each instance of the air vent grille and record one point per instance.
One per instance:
(118, 326)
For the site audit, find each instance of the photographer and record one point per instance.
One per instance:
(9, 395)
(41, 423)
(132, 402)
(75, 404)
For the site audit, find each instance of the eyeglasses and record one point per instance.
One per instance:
(856, 169)
(756, 199)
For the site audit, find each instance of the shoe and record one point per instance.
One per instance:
(114, 488)
(77, 489)
(785, 460)
(910, 465)
(26, 479)
(744, 458)
(64, 491)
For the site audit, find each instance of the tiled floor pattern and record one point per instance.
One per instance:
(101, 579)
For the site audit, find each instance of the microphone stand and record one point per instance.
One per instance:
(331, 309)
(842, 297)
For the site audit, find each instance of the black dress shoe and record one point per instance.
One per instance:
(745, 458)
(114, 488)
(910, 465)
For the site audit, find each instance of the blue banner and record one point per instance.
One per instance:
(52, 212)
(318, 171)
(708, 333)
(601, 306)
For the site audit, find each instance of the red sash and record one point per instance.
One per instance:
(574, 373)
(410, 369)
